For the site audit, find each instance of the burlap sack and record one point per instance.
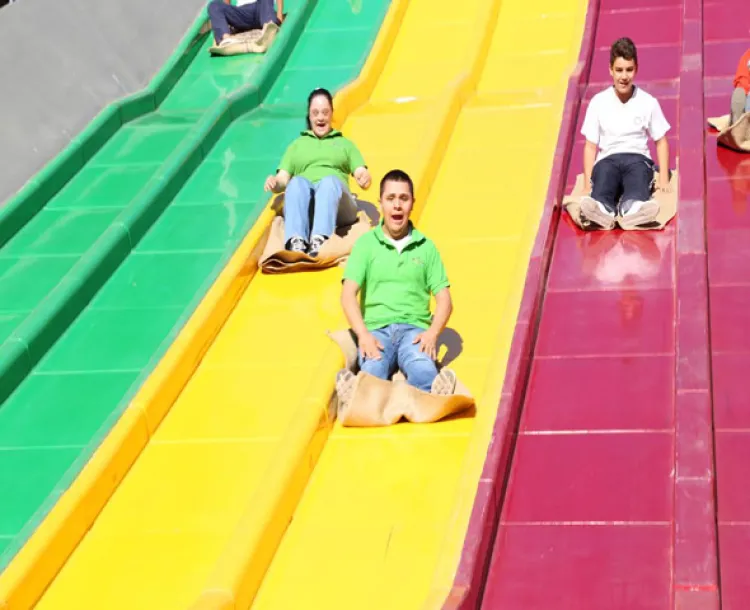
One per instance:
(276, 259)
(252, 41)
(737, 136)
(377, 402)
(667, 206)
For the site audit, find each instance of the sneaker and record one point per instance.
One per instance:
(595, 212)
(227, 41)
(297, 244)
(316, 243)
(444, 384)
(346, 384)
(636, 213)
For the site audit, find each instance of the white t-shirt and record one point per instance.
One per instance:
(623, 128)
(400, 244)
(244, 2)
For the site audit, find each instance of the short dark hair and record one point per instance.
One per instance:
(625, 48)
(397, 175)
(313, 94)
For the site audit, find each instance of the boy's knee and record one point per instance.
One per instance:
(215, 6)
(376, 368)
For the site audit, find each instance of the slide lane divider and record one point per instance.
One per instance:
(37, 563)
(695, 568)
(469, 580)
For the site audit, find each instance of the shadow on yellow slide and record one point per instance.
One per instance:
(227, 484)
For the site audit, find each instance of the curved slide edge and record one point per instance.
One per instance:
(47, 549)
(469, 578)
(52, 316)
(41, 187)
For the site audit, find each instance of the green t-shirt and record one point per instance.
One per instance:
(315, 158)
(395, 288)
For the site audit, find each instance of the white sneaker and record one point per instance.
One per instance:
(637, 213)
(595, 212)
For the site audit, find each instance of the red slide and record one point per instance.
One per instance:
(619, 463)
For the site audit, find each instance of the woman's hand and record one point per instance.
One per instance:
(362, 176)
(271, 184)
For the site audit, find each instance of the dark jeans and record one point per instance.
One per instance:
(623, 176)
(240, 18)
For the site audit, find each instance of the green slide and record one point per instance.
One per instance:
(98, 277)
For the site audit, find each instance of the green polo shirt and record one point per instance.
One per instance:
(315, 158)
(395, 288)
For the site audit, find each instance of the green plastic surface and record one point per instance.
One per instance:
(183, 185)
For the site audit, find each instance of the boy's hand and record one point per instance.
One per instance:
(280, 17)
(370, 347)
(664, 186)
(428, 343)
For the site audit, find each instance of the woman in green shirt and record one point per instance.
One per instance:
(316, 166)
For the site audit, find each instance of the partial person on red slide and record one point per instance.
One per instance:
(617, 165)
(741, 94)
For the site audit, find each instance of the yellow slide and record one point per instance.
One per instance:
(243, 491)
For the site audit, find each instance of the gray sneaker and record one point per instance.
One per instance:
(595, 212)
(316, 243)
(297, 244)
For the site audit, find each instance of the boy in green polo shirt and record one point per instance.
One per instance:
(396, 269)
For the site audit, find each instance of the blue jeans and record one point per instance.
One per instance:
(400, 352)
(240, 18)
(622, 176)
(333, 204)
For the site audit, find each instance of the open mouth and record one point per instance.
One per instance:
(397, 217)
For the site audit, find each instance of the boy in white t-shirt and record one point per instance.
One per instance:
(618, 123)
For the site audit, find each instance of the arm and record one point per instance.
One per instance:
(278, 182)
(443, 311)
(369, 346)
(592, 132)
(357, 161)
(662, 156)
(589, 157)
(286, 169)
(280, 10)
(439, 286)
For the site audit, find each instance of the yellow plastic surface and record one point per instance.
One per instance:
(468, 101)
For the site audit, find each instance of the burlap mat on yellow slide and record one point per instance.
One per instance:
(277, 259)
(667, 206)
(737, 136)
(376, 402)
(253, 41)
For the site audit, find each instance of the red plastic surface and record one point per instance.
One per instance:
(728, 236)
